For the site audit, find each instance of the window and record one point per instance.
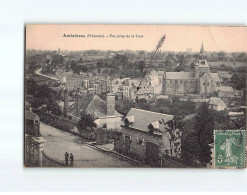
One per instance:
(181, 82)
(208, 84)
(140, 141)
(190, 82)
(36, 121)
(170, 81)
(203, 84)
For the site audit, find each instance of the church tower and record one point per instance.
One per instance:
(202, 52)
(201, 64)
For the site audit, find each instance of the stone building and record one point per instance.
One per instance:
(216, 104)
(74, 82)
(148, 87)
(201, 81)
(145, 137)
(103, 111)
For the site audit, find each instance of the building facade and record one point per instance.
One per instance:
(145, 137)
(201, 81)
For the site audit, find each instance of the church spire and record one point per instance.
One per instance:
(202, 52)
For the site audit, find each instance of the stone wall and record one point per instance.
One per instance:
(138, 143)
(207, 85)
(138, 147)
(111, 122)
(180, 86)
(32, 152)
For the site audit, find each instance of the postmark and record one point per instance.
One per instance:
(229, 149)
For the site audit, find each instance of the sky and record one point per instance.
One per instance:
(178, 38)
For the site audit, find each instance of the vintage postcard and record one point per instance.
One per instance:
(164, 96)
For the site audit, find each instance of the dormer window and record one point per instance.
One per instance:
(130, 119)
(153, 127)
(155, 124)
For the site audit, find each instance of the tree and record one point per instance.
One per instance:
(73, 66)
(181, 62)
(221, 56)
(87, 121)
(100, 64)
(239, 81)
(142, 104)
(84, 69)
(195, 145)
(67, 68)
(124, 59)
(192, 66)
(141, 65)
(43, 96)
(57, 59)
(123, 106)
(242, 57)
(118, 57)
(173, 130)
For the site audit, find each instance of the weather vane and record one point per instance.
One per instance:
(158, 46)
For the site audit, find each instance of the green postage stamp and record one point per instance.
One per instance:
(229, 149)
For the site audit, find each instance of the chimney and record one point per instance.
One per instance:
(110, 104)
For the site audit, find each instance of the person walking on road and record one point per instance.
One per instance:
(66, 158)
(71, 158)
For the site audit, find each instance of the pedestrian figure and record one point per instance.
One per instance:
(71, 158)
(66, 158)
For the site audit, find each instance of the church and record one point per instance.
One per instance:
(200, 81)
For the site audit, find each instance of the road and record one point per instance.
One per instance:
(58, 142)
(38, 72)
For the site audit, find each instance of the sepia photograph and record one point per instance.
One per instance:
(135, 96)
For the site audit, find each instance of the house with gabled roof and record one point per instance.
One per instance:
(216, 104)
(146, 136)
(103, 111)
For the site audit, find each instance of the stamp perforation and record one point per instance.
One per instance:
(213, 151)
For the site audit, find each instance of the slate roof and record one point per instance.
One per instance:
(143, 118)
(97, 108)
(180, 75)
(215, 101)
(226, 88)
(93, 105)
(202, 52)
(223, 72)
(215, 76)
